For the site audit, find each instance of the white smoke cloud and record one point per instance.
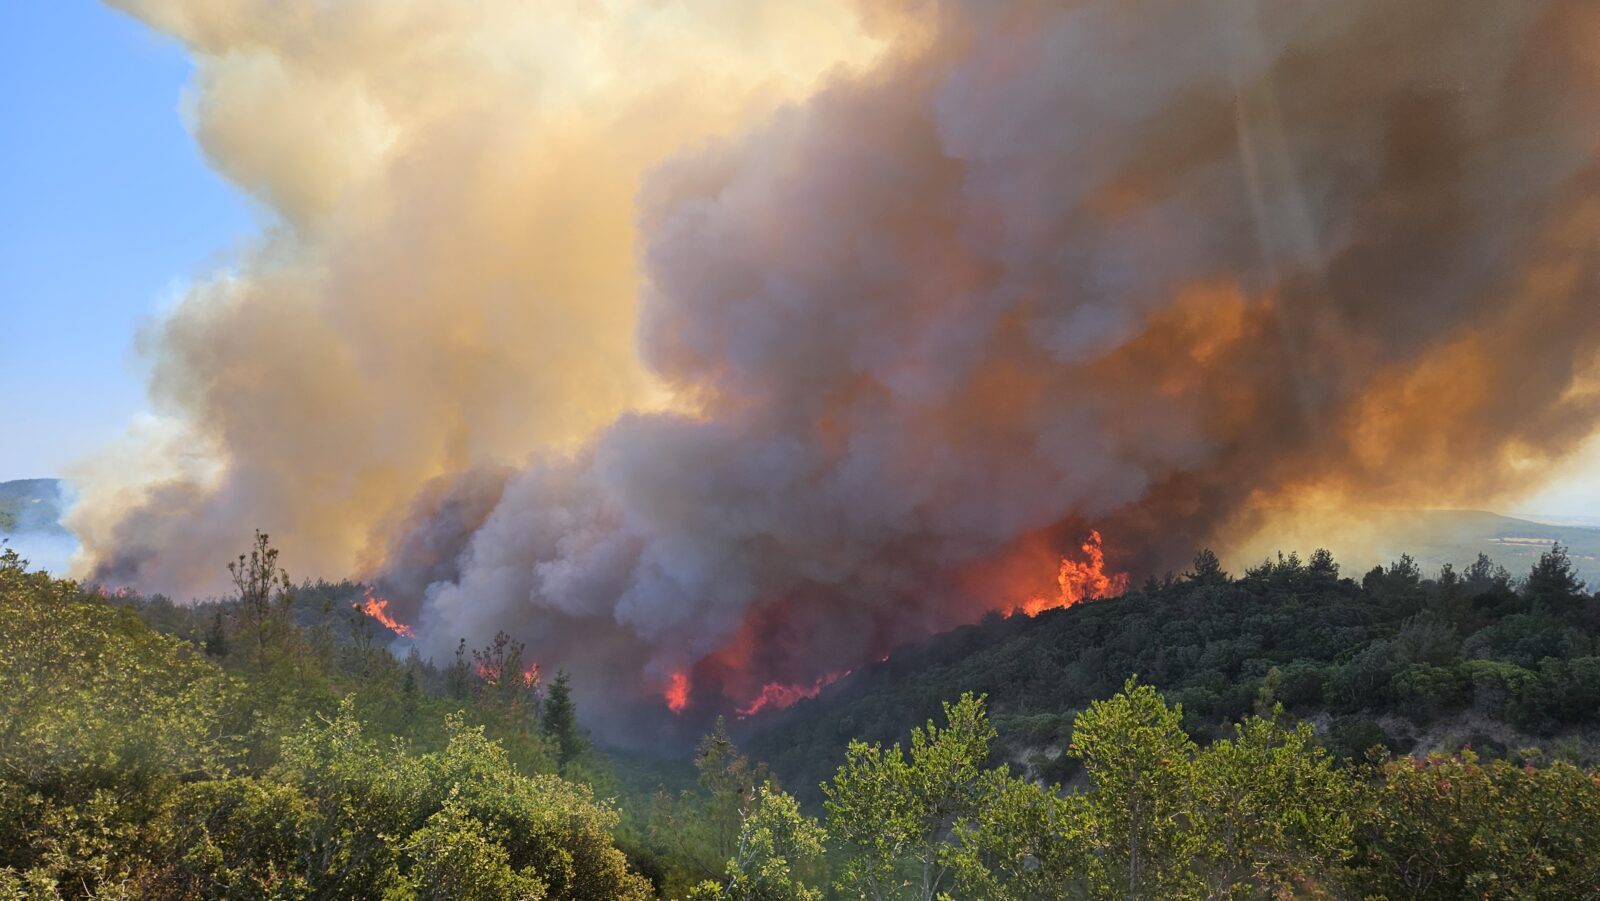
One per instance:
(451, 281)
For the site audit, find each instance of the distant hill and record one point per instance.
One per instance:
(30, 522)
(32, 505)
(1432, 537)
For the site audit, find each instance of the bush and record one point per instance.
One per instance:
(1351, 737)
(1451, 827)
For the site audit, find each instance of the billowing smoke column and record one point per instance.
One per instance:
(448, 279)
(1156, 268)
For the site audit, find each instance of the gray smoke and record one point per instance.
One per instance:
(1158, 266)
(1161, 268)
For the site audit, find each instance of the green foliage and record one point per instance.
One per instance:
(454, 856)
(1207, 569)
(554, 826)
(1261, 813)
(1396, 648)
(700, 830)
(1023, 841)
(265, 598)
(346, 816)
(1138, 759)
(895, 810)
(560, 721)
(1269, 812)
(775, 840)
(132, 765)
(1452, 827)
(1553, 583)
(99, 718)
(1258, 814)
(91, 694)
(155, 751)
(239, 837)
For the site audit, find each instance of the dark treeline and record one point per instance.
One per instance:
(270, 746)
(1396, 659)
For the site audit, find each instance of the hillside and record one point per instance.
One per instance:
(266, 761)
(30, 522)
(1419, 664)
(258, 747)
(31, 505)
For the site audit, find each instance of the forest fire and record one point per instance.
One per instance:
(378, 609)
(1078, 581)
(764, 666)
(778, 696)
(818, 413)
(677, 693)
(489, 672)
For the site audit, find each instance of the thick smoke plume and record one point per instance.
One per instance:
(1156, 268)
(449, 281)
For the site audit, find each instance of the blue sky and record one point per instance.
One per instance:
(106, 206)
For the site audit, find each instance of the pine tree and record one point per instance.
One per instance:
(1322, 566)
(1207, 569)
(1554, 583)
(561, 720)
(457, 678)
(265, 596)
(217, 637)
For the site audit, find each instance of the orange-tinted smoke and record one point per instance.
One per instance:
(1155, 269)
(447, 275)
(1078, 580)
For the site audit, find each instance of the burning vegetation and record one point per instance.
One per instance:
(378, 609)
(954, 287)
(677, 692)
(1078, 580)
(702, 354)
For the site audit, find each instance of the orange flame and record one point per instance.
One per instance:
(490, 673)
(377, 608)
(778, 696)
(1079, 581)
(677, 693)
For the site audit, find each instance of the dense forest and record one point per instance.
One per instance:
(1286, 733)
(1475, 658)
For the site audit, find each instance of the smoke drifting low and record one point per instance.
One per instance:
(1155, 268)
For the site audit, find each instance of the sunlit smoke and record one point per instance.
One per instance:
(702, 384)
(449, 279)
